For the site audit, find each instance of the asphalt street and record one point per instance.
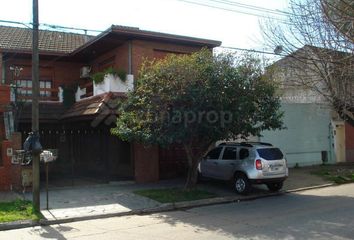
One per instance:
(326, 213)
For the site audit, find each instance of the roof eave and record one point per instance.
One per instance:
(29, 51)
(92, 41)
(166, 36)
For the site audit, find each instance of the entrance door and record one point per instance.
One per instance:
(339, 140)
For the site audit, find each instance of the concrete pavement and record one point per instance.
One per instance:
(325, 213)
(118, 198)
(106, 200)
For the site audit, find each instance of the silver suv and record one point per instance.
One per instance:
(244, 164)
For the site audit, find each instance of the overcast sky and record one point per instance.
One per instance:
(171, 16)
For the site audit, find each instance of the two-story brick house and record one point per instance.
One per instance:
(81, 131)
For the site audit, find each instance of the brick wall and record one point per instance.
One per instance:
(4, 101)
(16, 170)
(146, 163)
(4, 96)
(1, 68)
(349, 142)
(147, 49)
(5, 168)
(172, 161)
(117, 58)
(59, 72)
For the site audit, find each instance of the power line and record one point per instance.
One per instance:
(251, 50)
(14, 22)
(52, 26)
(252, 7)
(232, 10)
(70, 28)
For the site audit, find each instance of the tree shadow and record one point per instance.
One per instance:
(52, 232)
(289, 216)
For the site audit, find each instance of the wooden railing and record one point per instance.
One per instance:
(89, 89)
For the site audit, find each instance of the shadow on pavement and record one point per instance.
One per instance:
(291, 216)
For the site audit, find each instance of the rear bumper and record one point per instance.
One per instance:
(267, 180)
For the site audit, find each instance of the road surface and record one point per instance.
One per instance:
(326, 213)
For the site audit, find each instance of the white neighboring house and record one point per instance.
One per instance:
(314, 133)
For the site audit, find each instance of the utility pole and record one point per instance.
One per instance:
(35, 111)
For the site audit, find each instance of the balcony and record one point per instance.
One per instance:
(25, 94)
(110, 83)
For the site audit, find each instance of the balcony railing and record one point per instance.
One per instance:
(46, 94)
(110, 84)
(89, 89)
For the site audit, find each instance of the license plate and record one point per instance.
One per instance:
(271, 168)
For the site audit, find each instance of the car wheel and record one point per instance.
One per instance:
(241, 184)
(275, 187)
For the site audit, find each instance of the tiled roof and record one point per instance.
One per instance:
(97, 108)
(20, 39)
(102, 105)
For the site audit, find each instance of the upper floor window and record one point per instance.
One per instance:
(25, 88)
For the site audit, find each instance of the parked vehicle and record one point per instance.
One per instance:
(245, 164)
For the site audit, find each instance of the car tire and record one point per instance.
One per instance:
(275, 187)
(241, 184)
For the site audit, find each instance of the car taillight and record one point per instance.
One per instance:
(259, 164)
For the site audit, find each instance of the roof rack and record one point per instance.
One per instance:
(245, 144)
(259, 143)
(236, 143)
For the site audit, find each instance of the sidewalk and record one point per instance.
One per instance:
(118, 198)
(104, 200)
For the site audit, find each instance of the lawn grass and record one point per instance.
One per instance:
(170, 195)
(336, 173)
(17, 210)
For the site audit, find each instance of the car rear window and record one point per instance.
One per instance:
(270, 153)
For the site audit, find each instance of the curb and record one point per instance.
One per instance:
(18, 224)
(166, 207)
(311, 187)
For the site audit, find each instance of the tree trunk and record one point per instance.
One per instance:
(192, 168)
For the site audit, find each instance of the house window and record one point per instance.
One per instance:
(25, 88)
(45, 87)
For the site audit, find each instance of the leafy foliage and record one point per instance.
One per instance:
(198, 99)
(98, 77)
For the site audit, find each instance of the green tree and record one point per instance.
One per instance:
(197, 99)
